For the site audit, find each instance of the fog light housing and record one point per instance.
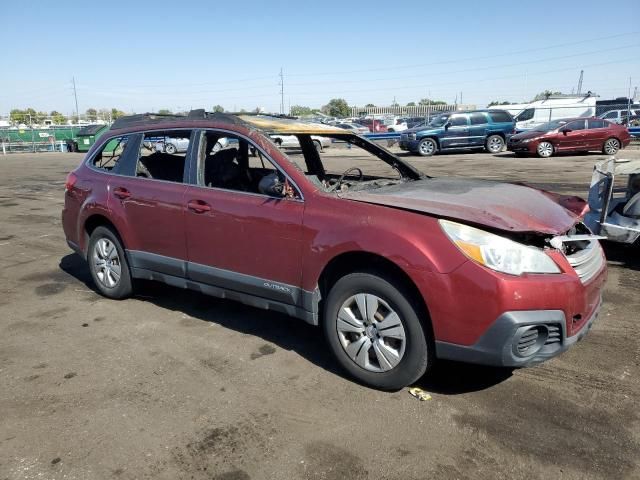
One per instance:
(529, 340)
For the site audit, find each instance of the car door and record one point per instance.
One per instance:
(149, 198)
(456, 134)
(596, 133)
(238, 238)
(572, 136)
(478, 125)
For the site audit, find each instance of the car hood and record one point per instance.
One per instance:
(528, 134)
(503, 206)
(423, 130)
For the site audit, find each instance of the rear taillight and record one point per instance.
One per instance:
(71, 181)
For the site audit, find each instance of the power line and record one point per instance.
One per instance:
(458, 60)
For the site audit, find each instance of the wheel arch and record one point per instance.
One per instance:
(363, 261)
(94, 221)
(432, 137)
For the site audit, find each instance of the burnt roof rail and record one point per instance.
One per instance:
(198, 114)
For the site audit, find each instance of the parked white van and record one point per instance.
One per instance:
(554, 108)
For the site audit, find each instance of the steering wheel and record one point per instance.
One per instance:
(338, 183)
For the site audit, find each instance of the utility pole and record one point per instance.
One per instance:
(281, 92)
(580, 82)
(75, 94)
(629, 104)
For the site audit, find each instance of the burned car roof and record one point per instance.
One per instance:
(290, 126)
(271, 124)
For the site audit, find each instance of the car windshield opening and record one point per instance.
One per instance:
(549, 126)
(348, 162)
(438, 121)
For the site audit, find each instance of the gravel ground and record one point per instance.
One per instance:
(171, 384)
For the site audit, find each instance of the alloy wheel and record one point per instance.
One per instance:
(611, 146)
(371, 332)
(495, 144)
(108, 267)
(545, 149)
(427, 147)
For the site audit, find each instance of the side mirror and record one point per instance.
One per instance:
(566, 130)
(447, 125)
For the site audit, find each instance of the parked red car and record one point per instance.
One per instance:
(571, 135)
(398, 268)
(374, 126)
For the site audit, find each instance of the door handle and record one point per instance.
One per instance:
(121, 193)
(198, 206)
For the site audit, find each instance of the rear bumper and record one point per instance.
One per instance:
(499, 346)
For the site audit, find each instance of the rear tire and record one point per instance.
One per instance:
(427, 147)
(170, 148)
(611, 146)
(318, 146)
(494, 144)
(108, 264)
(388, 347)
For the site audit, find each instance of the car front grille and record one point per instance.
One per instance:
(584, 253)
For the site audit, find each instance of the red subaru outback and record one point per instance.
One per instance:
(398, 268)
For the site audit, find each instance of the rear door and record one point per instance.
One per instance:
(150, 199)
(237, 237)
(478, 125)
(596, 133)
(456, 135)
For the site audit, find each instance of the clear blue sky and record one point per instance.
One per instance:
(143, 55)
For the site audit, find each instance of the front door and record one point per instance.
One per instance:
(240, 237)
(456, 134)
(572, 136)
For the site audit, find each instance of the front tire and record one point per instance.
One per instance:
(544, 149)
(108, 264)
(494, 144)
(170, 148)
(427, 147)
(375, 333)
(611, 146)
(318, 146)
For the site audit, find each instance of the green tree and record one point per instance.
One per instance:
(92, 114)
(411, 104)
(545, 94)
(26, 116)
(428, 101)
(57, 118)
(300, 110)
(369, 105)
(115, 113)
(218, 108)
(164, 111)
(337, 107)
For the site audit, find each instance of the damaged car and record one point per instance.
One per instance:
(614, 200)
(396, 268)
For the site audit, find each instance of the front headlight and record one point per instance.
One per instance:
(527, 140)
(496, 252)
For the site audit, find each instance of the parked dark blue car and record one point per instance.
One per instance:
(488, 129)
